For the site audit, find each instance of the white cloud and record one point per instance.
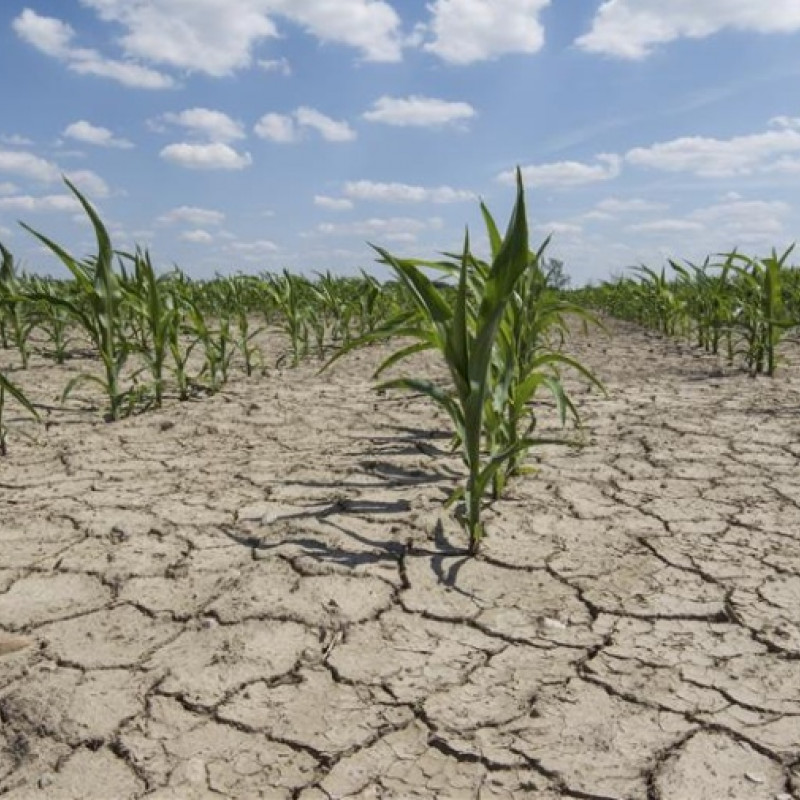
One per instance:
(785, 122)
(330, 129)
(255, 250)
(217, 37)
(28, 165)
(6, 188)
(206, 156)
(613, 205)
(276, 128)
(15, 140)
(405, 193)
(745, 220)
(54, 38)
(566, 173)
(667, 226)
(476, 30)
(279, 65)
(198, 236)
(213, 125)
(89, 182)
(51, 202)
(333, 203)
(377, 226)
(192, 215)
(84, 131)
(286, 128)
(559, 228)
(419, 111)
(725, 225)
(630, 28)
(714, 158)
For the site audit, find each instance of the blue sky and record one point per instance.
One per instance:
(249, 135)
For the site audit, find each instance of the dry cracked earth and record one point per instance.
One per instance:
(260, 595)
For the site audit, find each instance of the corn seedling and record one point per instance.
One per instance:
(16, 323)
(9, 389)
(473, 329)
(97, 309)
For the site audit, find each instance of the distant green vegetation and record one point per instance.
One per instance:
(738, 306)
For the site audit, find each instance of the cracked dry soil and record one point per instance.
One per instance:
(259, 595)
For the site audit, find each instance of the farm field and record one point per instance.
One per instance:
(260, 594)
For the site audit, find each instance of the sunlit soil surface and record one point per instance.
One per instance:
(259, 593)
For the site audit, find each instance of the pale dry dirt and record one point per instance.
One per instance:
(260, 595)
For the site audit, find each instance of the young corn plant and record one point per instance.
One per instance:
(97, 308)
(762, 316)
(155, 317)
(16, 321)
(52, 319)
(8, 388)
(472, 330)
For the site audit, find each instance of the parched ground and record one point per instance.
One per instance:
(259, 595)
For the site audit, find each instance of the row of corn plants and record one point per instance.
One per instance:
(152, 331)
(734, 305)
(499, 328)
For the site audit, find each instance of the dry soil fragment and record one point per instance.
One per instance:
(273, 589)
(42, 598)
(526, 606)
(183, 596)
(597, 743)
(318, 713)
(72, 705)
(402, 766)
(122, 554)
(84, 775)
(206, 664)
(411, 655)
(711, 766)
(502, 690)
(192, 757)
(121, 637)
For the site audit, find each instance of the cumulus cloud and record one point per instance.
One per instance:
(15, 140)
(276, 128)
(287, 128)
(89, 182)
(218, 37)
(404, 193)
(206, 156)
(562, 174)
(667, 226)
(27, 165)
(279, 65)
(419, 111)
(255, 250)
(50, 202)
(192, 215)
(379, 226)
(715, 158)
(631, 28)
(725, 224)
(84, 131)
(198, 236)
(54, 38)
(333, 203)
(330, 129)
(208, 123)
(466, 31)
(613, 205)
